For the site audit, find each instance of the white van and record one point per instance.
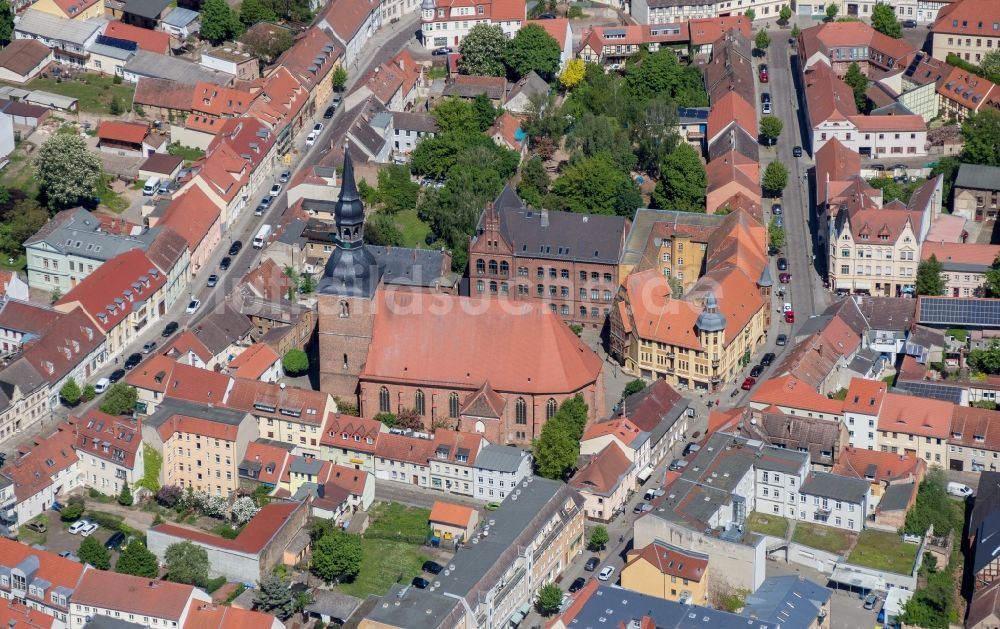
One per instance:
(261, 238)
(102, 385)
(960, 490)
(152, 185)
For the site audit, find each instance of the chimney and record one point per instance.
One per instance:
(545, 217)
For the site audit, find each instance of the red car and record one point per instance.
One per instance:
(785, 278)
(762, 73)
(748, 384)
(789, 316)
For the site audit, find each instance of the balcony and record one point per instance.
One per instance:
(716, 379)
(8, 517)
(715, 363)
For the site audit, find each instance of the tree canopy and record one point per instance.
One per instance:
(776, 234)
(67, 171)
(986, 360)
(762, 40)
(186, 563)
(295, 362)
(682, 181)
(558, 447)
(533, 49)
(137, 560)
(254, 11)
(483, 50)
(219, 22)
(93, 552)
(120, 398)
(274, 597)
(858, 83)
(336, 555)
(70, 392)
(599, 538)
(775, 178)
(884, 21)
(572, 74)
(549, 598)
(929, 279)
(595, 185)
(981, 132)
(6, 22)
(770, 128)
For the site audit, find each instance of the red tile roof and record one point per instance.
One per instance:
(269, 281)
(452, 441)
(122, 436)
(828, 97)
(188, 343)
(729, 109)
(911, 415)
(274, 400)
(191, 215)
(672, 561)
(604, 473)
(205, 615)
(27, 317)
(47, 456)
(254, 361)
(968, 90)
(140, 595)
(196, 426)
(879, 467)
(115, 288)
(194, 384)
(64, 344)
(164, 93)
(354, 432)
(537, 353)
(622, 429)
(969, 17)
(252, 539)
(708, 30)
(896, 122)
(274, 461)
(451, 514)
(248, 138)
(310, 47)
(346, 17)
(556, 28)
(59, 572)
(864, 396)
(835, 165)
(130, 132)
(401, 448)
(789, 392)
(14, 615)
(961, 253)
(219, 101)
(976, 428)
(153, 41)
(656, 315)
(73, 8)
(347, 478)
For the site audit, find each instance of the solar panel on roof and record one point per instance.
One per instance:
(115, 42)
(931, 390)
(957, 311)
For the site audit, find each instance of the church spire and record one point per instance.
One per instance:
(350, 211)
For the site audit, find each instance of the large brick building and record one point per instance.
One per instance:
(564, 260)
(481, 364)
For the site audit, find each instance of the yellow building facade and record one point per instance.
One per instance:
(667, 572)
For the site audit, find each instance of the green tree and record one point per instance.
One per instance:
(659, 74)
(770, 128)
(796, 31)
(456, 115)
(339, 78)
(137, 560)
(66, 170)
(932, 606)
(884, 21)
(555, 451)
(933, 507)
(593, 135)
(682, 181)
(594, 185)
(218, 21)
(93, 552)
(381, 230)
(89, 393)
(599, 538)
(274, 597)
(992, 278)
(533, 49)
(20, 223)
(485, 111)
(947, 167)
(989, 405)
(785, 14)
(775, 178)
(990, 64)
(186, 563)
(125, 496)
(6, 22)
(762, 40)
(986, 360)
(929, 280)
(572, 74)
(70, 392)
(534, 184)
(776, 234)
(336, 555)
(858, 83)
(655, 134)
(750, 14)
(267, 44)
(549, 599)
(633, 386)
(483, 50)
(115, 106)
(295, 362)
(119, 399)
(255, 11)
(71, 512)
(981, 132)
(831, 11)
(396, 189)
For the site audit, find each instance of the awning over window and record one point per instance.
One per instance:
(645, 473)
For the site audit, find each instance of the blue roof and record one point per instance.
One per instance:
(790, 601)
(180, 17)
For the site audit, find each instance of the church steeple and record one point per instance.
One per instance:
(350, 211)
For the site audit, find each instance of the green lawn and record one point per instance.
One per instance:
(383, 564)
(93, 91)
(19, 174)
(115, 202)
(883, 551)
(392, 520)
(821, 537)
(413, 229)
(773, 525)
(185, 152)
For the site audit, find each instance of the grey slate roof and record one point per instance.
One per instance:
(978, 177)
(414, 121)
(75, 232)
(100, 621)
(863, 361)
(53, 27)
(645, 219)
(775, 459)
(836, 487)
(303, 465)
(407, 606)
(508, 199)
(169, 407)
(180, 17)
(333, 604)
(150, 9)
(498, 458)
(568, 235)
(735, 138)
(20, 374)
(789, 601)
(222, 327)
(110, 51)
(530, 85)
(401, 266)
(611, 606)
(152, 65)
(896, 497)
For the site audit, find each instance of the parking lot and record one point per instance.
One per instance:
(58, 539)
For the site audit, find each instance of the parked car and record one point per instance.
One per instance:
(606, 573)
(148, 347)
(871, 600)
(317, 127)
(259, 210)
(762, 72)
(781, 340)
(39, 527)
(329, 113)
(782, 264)
(652, 493)
(433, 567)
(133, 360)
(275, 190)
(960, 490)
(102, 385)
(767, 359)
(420, 582)
(116, 375)
(789, 316)
(909, 23)
(756, 371)
(691, 447)
(116, 541)
(443, 50)
(74, 528)
(577, 584)
(642, 507)
(285, 176)
(776, 209)
(310, 139)
(678, 464)
(193, 306)
(225, 263)
(213, 279)
(169, 329)
(765, 108)
(797, 151)
(267, 201)
(765, 97)
(748, 384)
(591, 564)
(785, 278)
(235, 247)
